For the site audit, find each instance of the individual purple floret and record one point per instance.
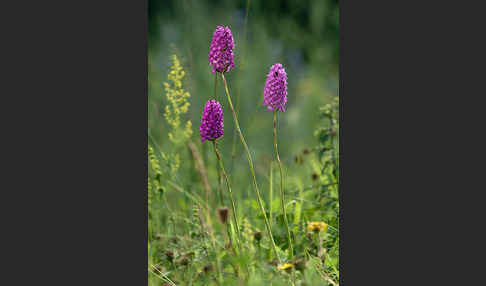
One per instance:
(221, 50)
(212, 121)
(275, 92)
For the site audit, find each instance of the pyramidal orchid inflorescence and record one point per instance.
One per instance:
(212, 121)
(275, 92)
(221, 56)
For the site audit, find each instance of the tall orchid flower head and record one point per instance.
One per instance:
(212, 121)
(221, 56)
(275, 92)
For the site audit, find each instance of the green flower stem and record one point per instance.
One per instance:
(282, 195)
(220, 179)
(220, 187)
(270, 199)
(233, 208)
(250, 163)
(215, 84)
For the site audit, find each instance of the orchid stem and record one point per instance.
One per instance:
(282, 195)
(233, 207)
(250, 163)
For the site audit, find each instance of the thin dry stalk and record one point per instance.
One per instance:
(202, 170)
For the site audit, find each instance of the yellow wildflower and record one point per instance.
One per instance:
(177, 102)
(286, 266)
(317, 226)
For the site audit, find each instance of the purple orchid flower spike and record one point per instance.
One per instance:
(212, 121)
(275, 92)
(221, 56)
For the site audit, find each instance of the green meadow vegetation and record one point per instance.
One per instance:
(216, 208)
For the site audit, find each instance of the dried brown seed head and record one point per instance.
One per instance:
(223, 214)
(208, 268)
(258, 236)
(170, 255)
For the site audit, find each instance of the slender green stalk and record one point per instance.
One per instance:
(233, 151)
(250, 163)
(271, 190)
(220, 187)
(282, 195)
(271, 196)
(215, 84)
(233, 208)
(220, 179)
(319, 239)
(162, 276)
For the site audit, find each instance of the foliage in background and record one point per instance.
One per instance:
(186, 240)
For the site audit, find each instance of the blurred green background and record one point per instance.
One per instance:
(300, 34)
